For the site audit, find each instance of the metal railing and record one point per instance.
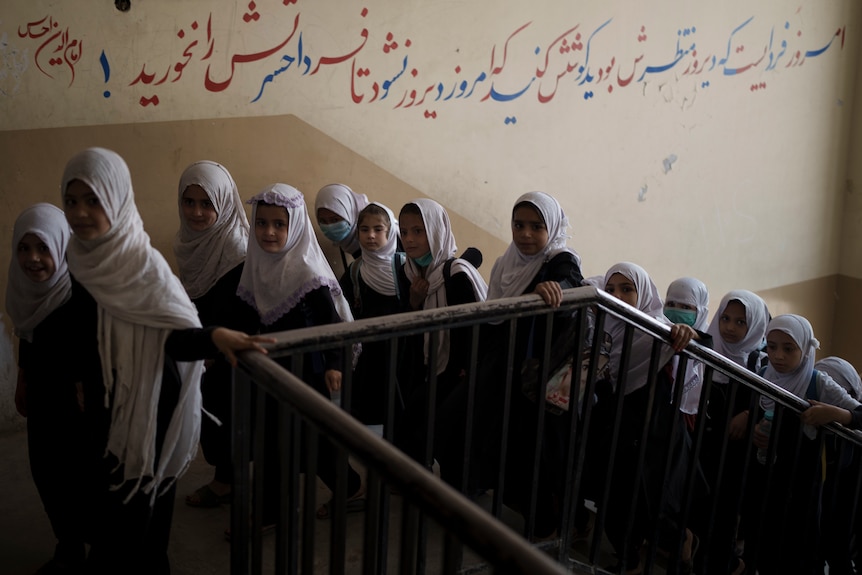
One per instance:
(303, 412)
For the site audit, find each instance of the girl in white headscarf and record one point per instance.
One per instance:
(288, 282)
(371, 288)
(39, 299)
(842, 469)
(143, 393)
(796, 480)
(432, 277)
(210, 250)
(631, 284)
(537, 261)
(687, 301)
(337, 208)
(737, 330)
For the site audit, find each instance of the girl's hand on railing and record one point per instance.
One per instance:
(230, 342)
(738, 426)
(680, 335)
(332, 377)
(551, 292)
(822, 413)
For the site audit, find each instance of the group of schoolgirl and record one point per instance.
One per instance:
(121, 409)
(778, 508)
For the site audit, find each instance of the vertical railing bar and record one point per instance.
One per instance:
(241, 391)
(497, 505)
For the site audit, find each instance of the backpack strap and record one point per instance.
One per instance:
(398, 259)
(354, 278)
(812, 393)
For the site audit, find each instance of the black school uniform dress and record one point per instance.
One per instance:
(61, 463)
(370, 377)
(563, 268)
(315, 308)
(221, 306)
(411, 432)
(130, 536)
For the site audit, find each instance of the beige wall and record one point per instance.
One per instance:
(757, 197)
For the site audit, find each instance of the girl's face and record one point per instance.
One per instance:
(327, 217)
(373, 232)
(198, 210)
(623, 289)
(413, 236)
(732, 325)
(84, 211)
(529, 232)
(270, 227)
(35, 258)
(784, 354)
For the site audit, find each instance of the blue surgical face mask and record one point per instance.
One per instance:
(424, 261)
(337, 231)
(676, 315)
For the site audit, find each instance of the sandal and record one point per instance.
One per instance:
(355, 504)
(206, 497)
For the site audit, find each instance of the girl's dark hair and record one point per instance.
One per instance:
(410, 209)
(530, 205)
(373, 210)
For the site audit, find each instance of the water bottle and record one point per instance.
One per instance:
(766, 428)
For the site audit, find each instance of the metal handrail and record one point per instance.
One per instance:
(499, 310)
(502, 547)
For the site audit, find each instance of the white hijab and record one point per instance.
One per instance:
(376, 266)
(756, 316)
(649, 302)
(513, 271)
(693, 292)
(140, 302)
(204, 257)
(798, 380)
(29, 302)
(843, 373)
(343, 201)
(442, 243)
(274, 284)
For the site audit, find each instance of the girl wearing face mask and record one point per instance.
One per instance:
(426, 234)
(138, 347)
(687, 302)
(791, 518)
(41, 299)
(337, 209)
(210, 250)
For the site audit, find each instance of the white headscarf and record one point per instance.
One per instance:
(29, 302)
(843, 373)
(649, 302)
(513, 271)
(376, 267)
(140, 302)
(442, 243)
(274, 284)
(756, 316)
(204, 257)
(343, 201)
(798, 380)
(693, 292)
